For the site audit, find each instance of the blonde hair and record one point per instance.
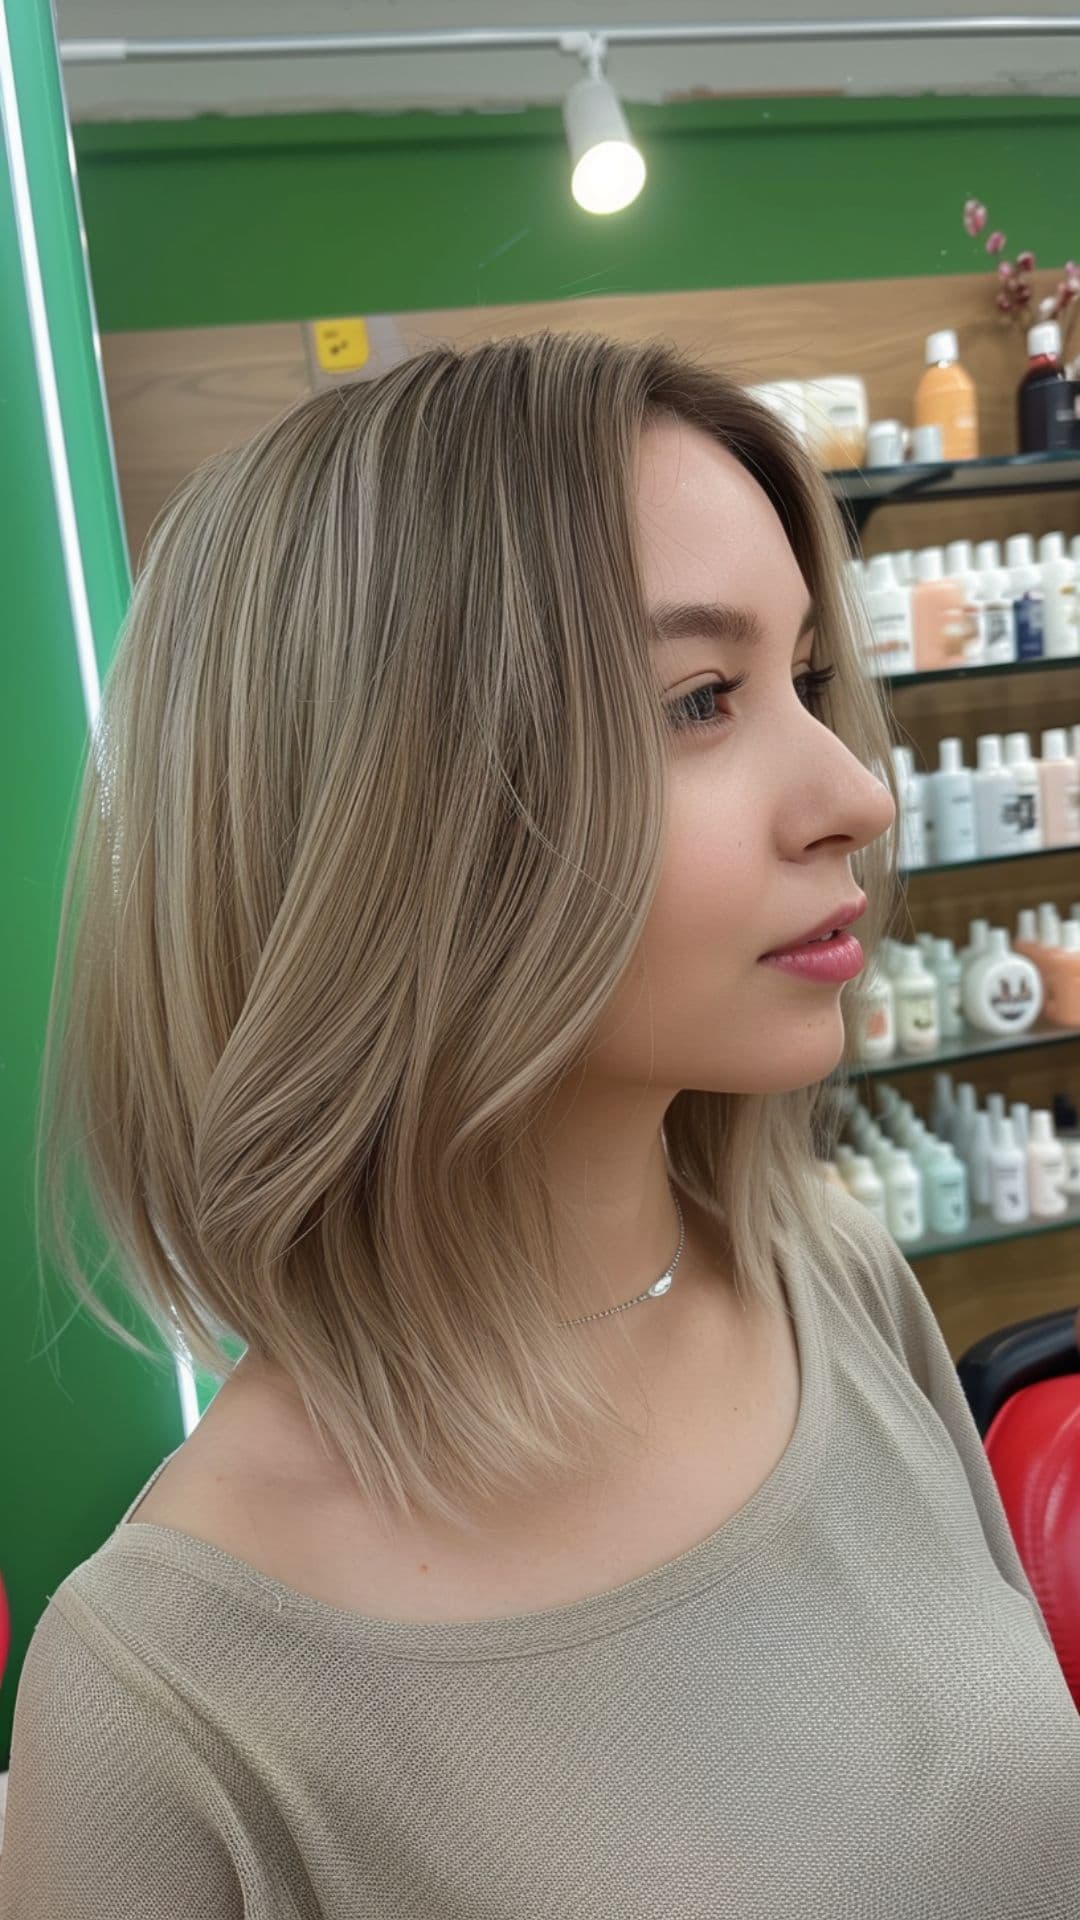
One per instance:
(369, 829)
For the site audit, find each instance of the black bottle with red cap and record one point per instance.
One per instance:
(1047, 401)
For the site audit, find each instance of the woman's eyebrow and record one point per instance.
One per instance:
(710, 619)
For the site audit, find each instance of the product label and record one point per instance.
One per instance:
(1008, 1198)
(1000, 636)
(1020, 813)
(1029, 625)
(891, 646)
(917, 1022)
(950, 1214)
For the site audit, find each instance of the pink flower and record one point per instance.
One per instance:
(1071, 277)
(996, 243)
(1025, 263)
(1005, 271)
(974, 217)
(1004, 303)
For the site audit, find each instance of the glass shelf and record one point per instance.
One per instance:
(988, 860)
(969, 1045)
(897, 681)
(862, 489)
(985, 1231)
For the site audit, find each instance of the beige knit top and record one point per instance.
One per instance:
(843, 1705)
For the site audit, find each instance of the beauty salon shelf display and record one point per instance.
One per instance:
(862, 492)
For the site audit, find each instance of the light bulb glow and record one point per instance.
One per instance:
(608, 177)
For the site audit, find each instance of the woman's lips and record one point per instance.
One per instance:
(827, 963)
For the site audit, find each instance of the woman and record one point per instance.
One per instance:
(594, 1524)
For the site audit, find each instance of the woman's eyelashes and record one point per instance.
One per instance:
(697, 711)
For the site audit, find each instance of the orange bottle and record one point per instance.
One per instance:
(945, 398)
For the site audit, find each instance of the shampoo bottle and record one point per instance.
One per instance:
(949, 975)
(996, 825)
(903, 1199)
(1059, 790)
(1061, 635)
(1046, 1168)
(1025, 778)
(865, 1184)
(999, 615)
(947, 1208)
(1025, 581)
(1008, 1177)
(877, 1022)
(942, 625)
(1066, 963)
(917, 1027)
(1002, 992)
(913, 849)
(1045, 404)
(979, 1159)
(945, 398)
(960, 565)
(954, 805)
(888, 605)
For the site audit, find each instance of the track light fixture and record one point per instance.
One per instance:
(608, 170)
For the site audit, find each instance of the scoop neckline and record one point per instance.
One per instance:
(716, 1558)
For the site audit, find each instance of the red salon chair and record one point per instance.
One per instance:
(1023, 1387)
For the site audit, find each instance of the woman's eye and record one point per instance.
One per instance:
(698, 709)
(811, 684)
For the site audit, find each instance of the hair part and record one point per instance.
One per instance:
(369, 829)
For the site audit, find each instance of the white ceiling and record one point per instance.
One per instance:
(503, 80)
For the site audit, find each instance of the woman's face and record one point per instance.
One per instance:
(765, 808)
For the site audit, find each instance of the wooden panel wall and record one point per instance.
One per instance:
(178, 396)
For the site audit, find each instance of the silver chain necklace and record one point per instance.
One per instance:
(651, 1293)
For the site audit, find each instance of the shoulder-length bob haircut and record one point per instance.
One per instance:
(369, 827)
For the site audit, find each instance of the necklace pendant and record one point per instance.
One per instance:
(661, 1285)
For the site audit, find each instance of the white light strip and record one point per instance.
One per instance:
(489, 39)
(63, 493)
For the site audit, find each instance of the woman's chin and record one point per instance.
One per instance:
(798, 1058)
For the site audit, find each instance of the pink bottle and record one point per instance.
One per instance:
(942, 625)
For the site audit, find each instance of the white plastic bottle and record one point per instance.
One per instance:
(964, 1112)
(1046, 1168)
(917, 1026)
(993, 787)
(912, 826)
(1008, 1177)
(1002, 992)
(978, 1159)
(949, 974)
(1025, 581)
(877, 1021)
(1059, 784)
(946, 1182)
(998, 604)
(1020, 1115)
(960, 564)
(954, 804)
(888, 605)
(1025, 776)
(866, 1186)
(903, 1200)
(1071, 1183)
(941, 1104)
(1061, 634)
(978, 934)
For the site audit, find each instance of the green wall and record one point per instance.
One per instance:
(215, 220)
(225, 221)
